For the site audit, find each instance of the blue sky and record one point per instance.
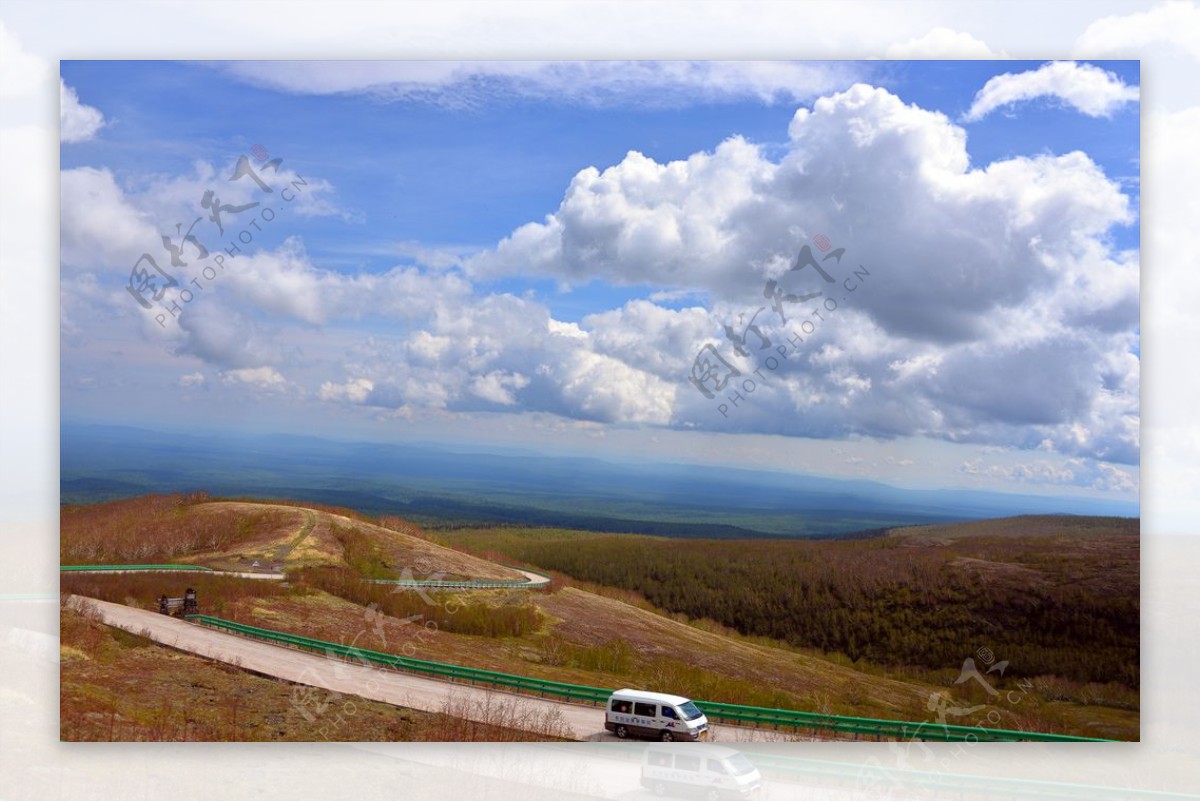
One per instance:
(401, 298)
(417, 171)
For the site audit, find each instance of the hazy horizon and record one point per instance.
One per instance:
(101, 461)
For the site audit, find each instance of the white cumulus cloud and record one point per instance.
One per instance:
(21, 73)
(1172, 23)
(191, 379)
(943, 43)
(262, 377)
(996, 311)
(993, 307)
(498, 387)
(78, 122)
(355, 390)
(1085, 87)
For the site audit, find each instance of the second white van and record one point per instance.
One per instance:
(700, 770)
(654, 715)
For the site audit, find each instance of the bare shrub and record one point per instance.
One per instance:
(156, 528)
(490, 716)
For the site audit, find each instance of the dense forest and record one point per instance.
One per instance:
(1048, 605)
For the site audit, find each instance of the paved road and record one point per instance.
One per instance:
(405, 690)
(534, 579)
(204, 571)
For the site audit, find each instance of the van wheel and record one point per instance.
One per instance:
(666, 736)
(622, 732)
(660, 788)
(712, 793)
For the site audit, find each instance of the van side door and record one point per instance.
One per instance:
(645, 717)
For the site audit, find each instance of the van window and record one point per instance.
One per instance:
(643, 709)
(662, 759)
(687, 763)
(620, 706)
(669, 712)
(716, 766)
(690, 711)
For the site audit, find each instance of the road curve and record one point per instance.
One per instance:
(466, 701)
(533, 580)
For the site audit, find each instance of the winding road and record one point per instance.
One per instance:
(532, 578)
(475, 703)
(579, 722)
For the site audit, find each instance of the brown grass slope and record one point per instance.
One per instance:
(593, 639)
(596, 636)
(116, 686)
(233, 535)
(597, 640)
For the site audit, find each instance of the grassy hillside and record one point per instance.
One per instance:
(234, 535)
(608, 638)
(116, 686)
(621, 634)
(162, 529)
(1054, 602)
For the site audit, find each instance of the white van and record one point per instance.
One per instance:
(656, 715)
(702, 770)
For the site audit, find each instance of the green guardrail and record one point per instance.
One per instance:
(880, 728)
(448, 584)
(578, 693)
(163, 567)
(432, 584)
(740, 714)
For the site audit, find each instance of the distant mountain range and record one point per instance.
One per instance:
(447, 485)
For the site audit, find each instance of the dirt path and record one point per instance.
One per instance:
(465, 701)
(284, 551)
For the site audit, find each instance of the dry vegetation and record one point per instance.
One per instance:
(218, 594)
(600, 641)
(465, 615)
(231, 535)
(868, 628)
(158, 529)
(401, 546)
(499, 717)
(117, 686)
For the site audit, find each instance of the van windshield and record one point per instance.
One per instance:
(740, 764)
(690, 711)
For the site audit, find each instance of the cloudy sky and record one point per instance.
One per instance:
(551, 253)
